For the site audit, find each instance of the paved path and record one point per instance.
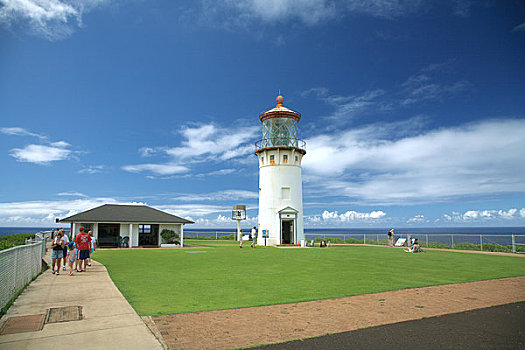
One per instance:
(108, 322)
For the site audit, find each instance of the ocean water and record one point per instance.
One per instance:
(14, 230)
(445, 235)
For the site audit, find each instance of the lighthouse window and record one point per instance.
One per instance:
(285, 159)
(296, 159)
(262, 160)
(272, 159)
(285, 192)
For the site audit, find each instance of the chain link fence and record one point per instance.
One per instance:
(20, 265)
(482, 242)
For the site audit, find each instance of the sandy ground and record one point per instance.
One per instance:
(276, 323)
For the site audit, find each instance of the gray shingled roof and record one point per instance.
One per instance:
(126, 213)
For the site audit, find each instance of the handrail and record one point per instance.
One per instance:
(280, 142)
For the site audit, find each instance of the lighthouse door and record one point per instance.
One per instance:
(287, 232)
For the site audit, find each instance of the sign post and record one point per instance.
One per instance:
(239, 214)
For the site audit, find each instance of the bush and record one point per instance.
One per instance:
(170, 236)
(10, 241)
(230, 237)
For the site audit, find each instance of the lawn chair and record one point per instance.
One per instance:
(125, 242)
(118, 241)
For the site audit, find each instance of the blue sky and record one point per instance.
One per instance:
(413, 111)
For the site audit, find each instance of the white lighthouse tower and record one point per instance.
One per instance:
(280, 183)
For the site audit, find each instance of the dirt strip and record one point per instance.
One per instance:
(276, 323)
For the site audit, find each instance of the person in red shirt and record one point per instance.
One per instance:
(82, 243)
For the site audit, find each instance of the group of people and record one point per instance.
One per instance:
(77, 253)
(253, 237)
(412, 244)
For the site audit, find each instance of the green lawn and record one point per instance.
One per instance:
(167, 281)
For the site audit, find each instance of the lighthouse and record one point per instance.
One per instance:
(280, 152)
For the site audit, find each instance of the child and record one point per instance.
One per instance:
(71, 257)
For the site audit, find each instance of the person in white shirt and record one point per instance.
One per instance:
(92, 246)
(65, 238)
(254, 237)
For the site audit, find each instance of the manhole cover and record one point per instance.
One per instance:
(20, 324)
(64, 314)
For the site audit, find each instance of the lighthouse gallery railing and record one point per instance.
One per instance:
(280, 142)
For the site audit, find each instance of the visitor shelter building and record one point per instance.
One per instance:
(116, 225)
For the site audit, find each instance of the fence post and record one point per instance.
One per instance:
(481, 241)
(427, 239)
(344, 238)
(215, 235)
(15, 270)
(364, 238)
(513, 244)
(452, 240)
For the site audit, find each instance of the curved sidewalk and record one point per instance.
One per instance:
(108, 321)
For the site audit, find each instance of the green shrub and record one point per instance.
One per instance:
(10, 241)
(170, 236)
(467, 246)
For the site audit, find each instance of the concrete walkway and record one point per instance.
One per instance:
(108, 321)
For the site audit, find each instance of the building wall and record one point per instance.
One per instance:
(280, 186)
(125, 230)
(174, 227)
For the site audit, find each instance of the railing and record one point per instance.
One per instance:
(20, 265)
(482, 242)
(280, 142)
(209, 235)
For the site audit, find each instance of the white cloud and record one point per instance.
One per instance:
(51, 19)
(480, 216)
(91, 169)
(17, 131)
(308, 11)
(73, 194)
(42, 154)
(208, 140)
(226, 195)
(417, 219)
(159, 169)
(352, 216)
(44, 212)
(244, 13)
(202, 143)
(483, 158)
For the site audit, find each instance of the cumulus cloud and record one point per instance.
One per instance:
(479, 216)
(44, 212)
(42, 154)
(417, 219)
(51, 19)
(485, 158)
(351, 215)
(202, 143)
